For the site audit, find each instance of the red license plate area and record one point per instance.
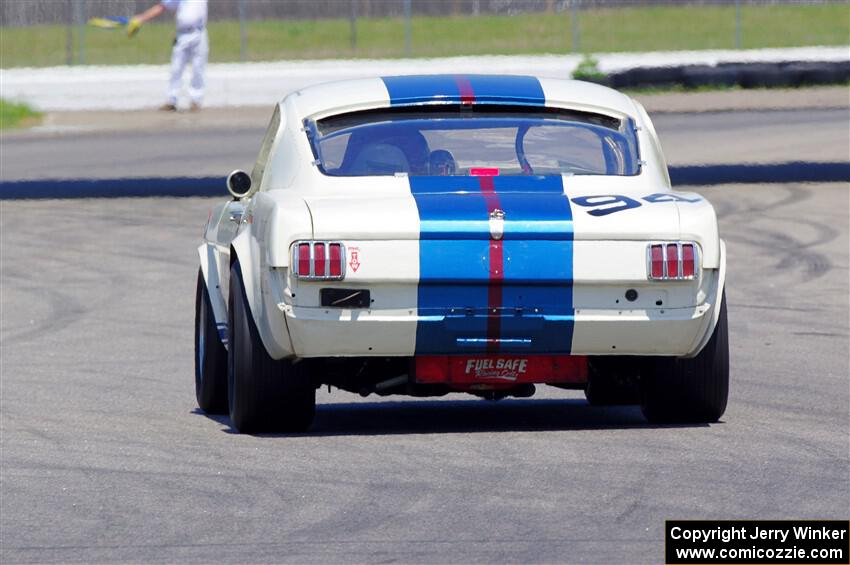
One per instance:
(506, 369)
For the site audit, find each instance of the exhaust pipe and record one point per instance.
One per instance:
(391, 383)
(383, 387)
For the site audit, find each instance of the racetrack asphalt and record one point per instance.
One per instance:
(104, 457)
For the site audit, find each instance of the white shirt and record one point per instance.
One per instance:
(189, 14)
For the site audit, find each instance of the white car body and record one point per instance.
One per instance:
(379, 220)
(376, 216)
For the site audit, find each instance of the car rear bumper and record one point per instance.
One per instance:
(601, 322)
(322, 332)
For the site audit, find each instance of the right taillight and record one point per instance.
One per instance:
(318, 260)
(672, 261)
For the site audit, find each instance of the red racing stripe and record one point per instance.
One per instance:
(497, 270)
(494, 297)
(467, 96)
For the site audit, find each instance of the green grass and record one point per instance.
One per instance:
(16, 115)
(600, 30)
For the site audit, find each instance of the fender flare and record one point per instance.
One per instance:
(715, 309)
(240, 251)
(245, 250)
(208, 259)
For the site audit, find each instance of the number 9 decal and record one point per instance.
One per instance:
(606, 204)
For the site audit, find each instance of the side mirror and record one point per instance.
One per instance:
(239, 184)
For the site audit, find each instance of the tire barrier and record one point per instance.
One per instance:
(745, 75)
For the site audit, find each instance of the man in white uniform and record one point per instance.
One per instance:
(190, 46)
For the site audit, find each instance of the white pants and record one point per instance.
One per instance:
(194, 48)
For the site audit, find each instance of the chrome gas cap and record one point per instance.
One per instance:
(497, 223)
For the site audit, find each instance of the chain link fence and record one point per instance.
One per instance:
(54, 32)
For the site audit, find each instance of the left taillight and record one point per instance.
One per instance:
(672, 261)
(318, 260)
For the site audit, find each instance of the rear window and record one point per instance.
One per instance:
(457, 140)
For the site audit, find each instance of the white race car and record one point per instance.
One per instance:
(430, 234)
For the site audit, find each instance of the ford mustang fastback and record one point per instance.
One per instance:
(423, 235)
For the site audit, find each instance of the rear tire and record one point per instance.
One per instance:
(264, 395)
(210, 355)
(690, 390)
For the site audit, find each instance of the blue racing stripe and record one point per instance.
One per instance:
(478, 89)
(456, 287)
(478, 294)
(454, 207)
